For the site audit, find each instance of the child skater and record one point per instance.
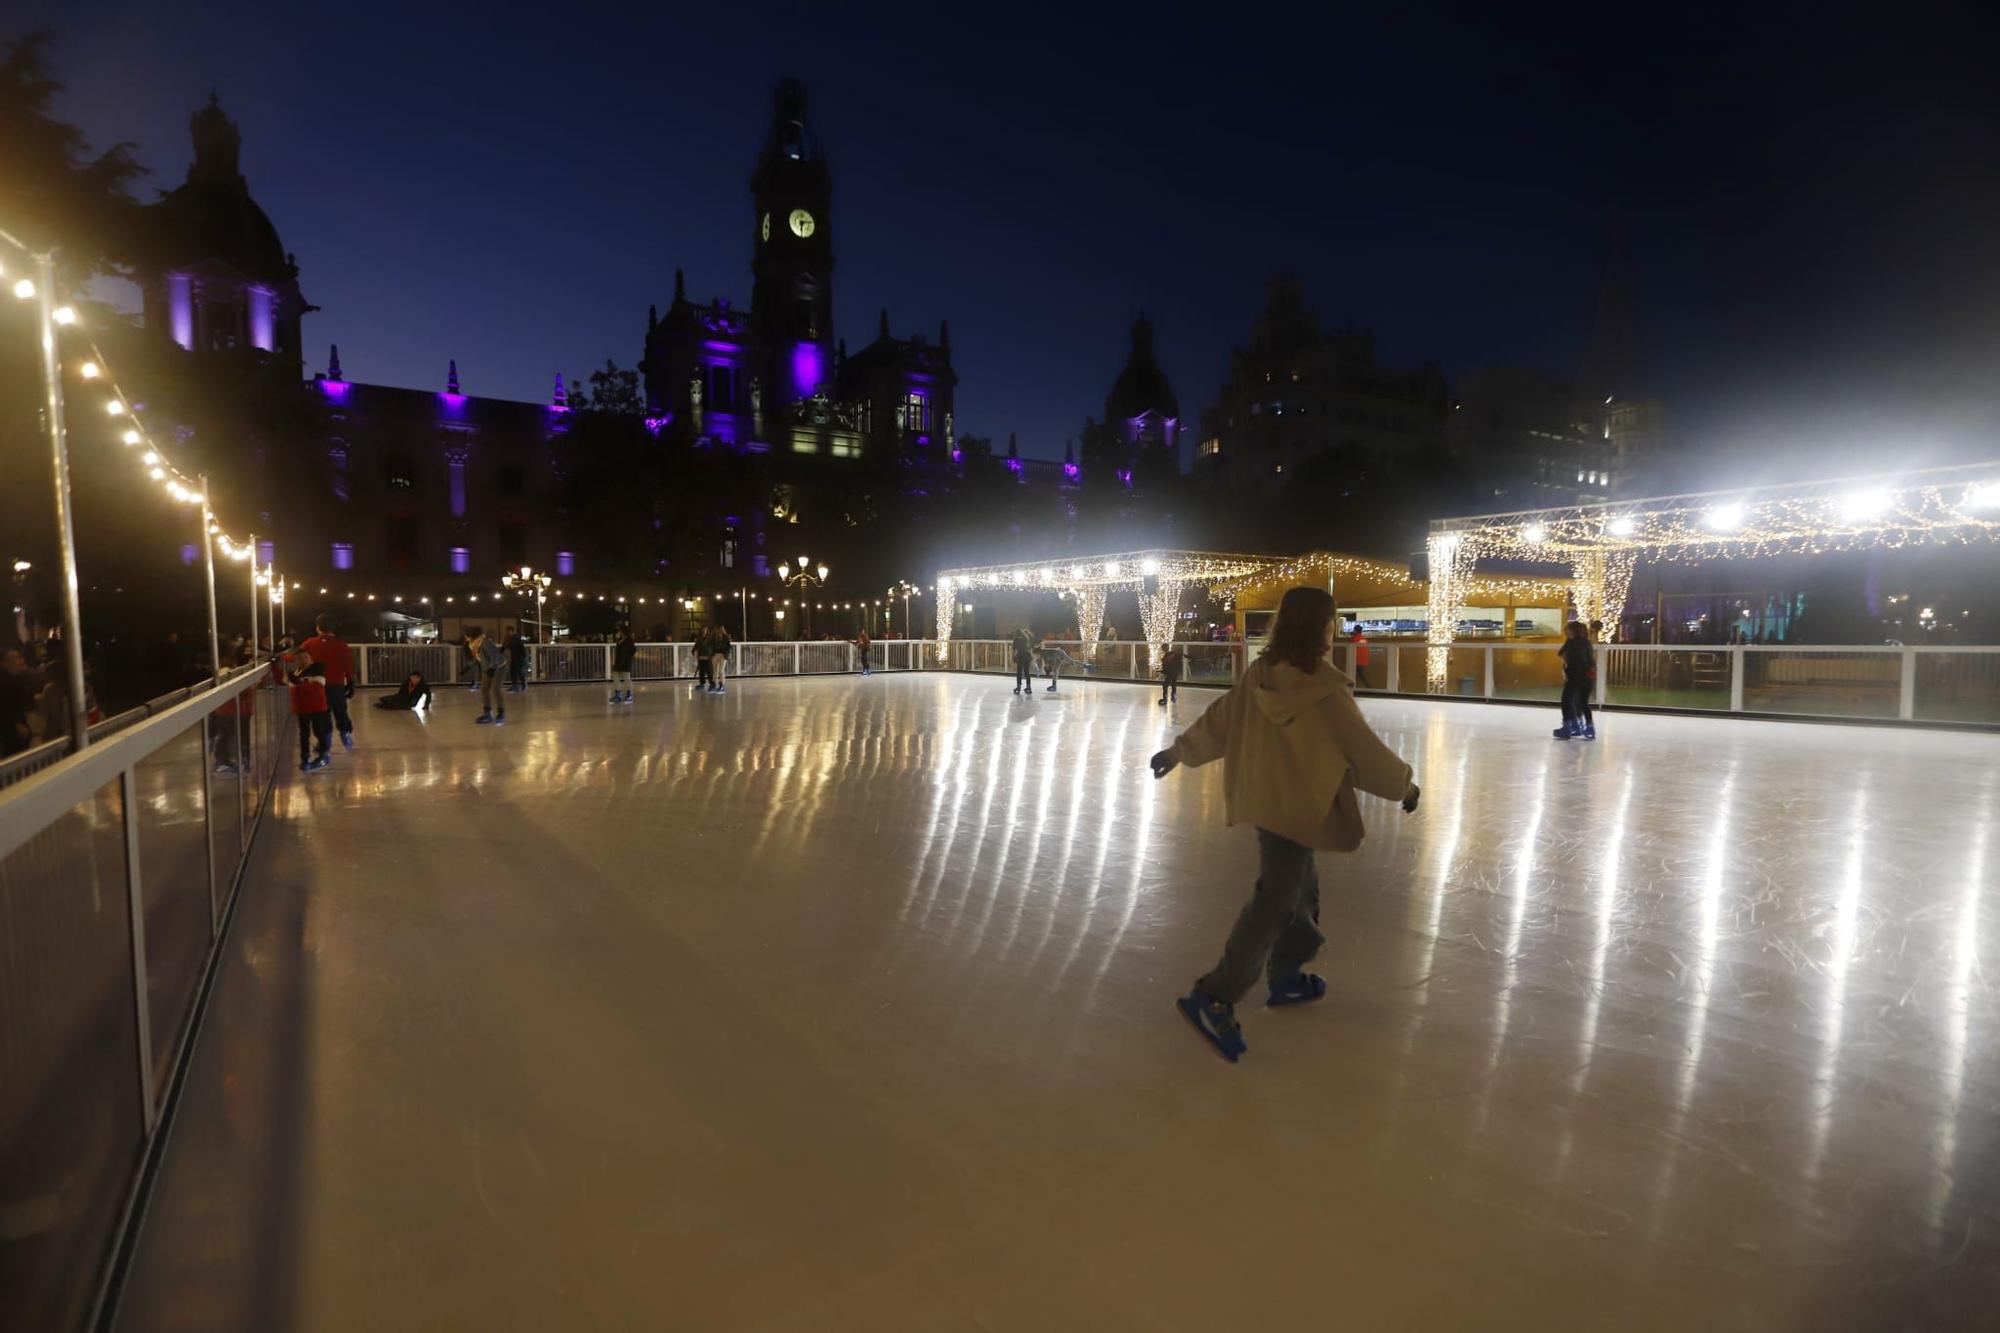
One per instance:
(1295, 750)
(307, 680)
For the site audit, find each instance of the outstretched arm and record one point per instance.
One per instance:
(1204, 742)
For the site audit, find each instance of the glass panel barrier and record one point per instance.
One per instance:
(1665, 677)
(1822, 684)
(225, 801)
(173, 883)
(71, 1126)
(1528, 673)
(1958, 687)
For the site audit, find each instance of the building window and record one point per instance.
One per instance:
(402, 472)
(565, 563)
(914, 414)
(400, 530)
(513, 544)
(461, 560)
(721, 389)
(337, 458)
(1208, 448)
(513, 483)
(343, 555)
(266, 551)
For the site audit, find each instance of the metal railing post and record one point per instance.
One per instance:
(1391, 680)
(136, 906)
(1603, 676)
(1736, 679)
(72, 616)
(607, 661)
(1906, 703)
(1489, 672)
(795, 658)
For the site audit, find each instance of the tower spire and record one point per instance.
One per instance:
(333, 362)
(944, 334)
(680, 288)
(883, 333)
(560, 399)
(451, 377)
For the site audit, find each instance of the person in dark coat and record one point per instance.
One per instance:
(622, 653)
(517, 662)
(1579, 678)
(1172, 659)
(1024, 663)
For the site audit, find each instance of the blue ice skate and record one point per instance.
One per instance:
(1298, 988)
(1215, 1021)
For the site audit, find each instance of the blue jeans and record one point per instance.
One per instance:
(1277, 932)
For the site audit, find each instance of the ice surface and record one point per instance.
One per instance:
(846, 1003)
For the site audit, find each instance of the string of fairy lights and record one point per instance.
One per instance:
(1159, 578)
(1603, 543)
(1384, 577)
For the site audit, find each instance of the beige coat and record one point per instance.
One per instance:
(1295, 749)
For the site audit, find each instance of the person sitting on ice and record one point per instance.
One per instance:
(414, 693)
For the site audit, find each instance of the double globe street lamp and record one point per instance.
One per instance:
(527, 580)
(809, 575)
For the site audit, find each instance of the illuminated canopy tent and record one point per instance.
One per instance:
(1159, 578)
(1601, 543)
(1360, 581)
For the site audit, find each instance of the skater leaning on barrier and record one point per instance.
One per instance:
(1295, 751)
(1579, 679)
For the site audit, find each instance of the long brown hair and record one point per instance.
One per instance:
(1299, 635)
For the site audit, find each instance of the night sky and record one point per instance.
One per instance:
(1800, 220)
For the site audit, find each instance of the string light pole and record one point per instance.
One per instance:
(904, 589)
(72, 616)
(809, 576)
(209, 528)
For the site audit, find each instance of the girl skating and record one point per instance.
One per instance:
(1296, 750)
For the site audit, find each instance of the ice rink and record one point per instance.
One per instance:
(847, 1004)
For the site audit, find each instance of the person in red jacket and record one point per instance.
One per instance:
(1360, 642)
(307, 679)
(331, 652)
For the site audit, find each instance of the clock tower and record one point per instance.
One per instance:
(791, 300)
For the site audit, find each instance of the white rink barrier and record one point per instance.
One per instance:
(556, 663)
(1889, 683)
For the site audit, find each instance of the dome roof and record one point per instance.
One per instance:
(212, 216)
(1142, 386)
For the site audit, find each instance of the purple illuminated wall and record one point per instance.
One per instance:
(266, 552)
(261, 322)
(180, 308)
(565, 563)
(461, 560)
(805, 369)
(335, 389)
(343, 555)
(188, 553)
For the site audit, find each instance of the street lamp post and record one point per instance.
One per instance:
(809, 575)
(905, 589)
(526, 581)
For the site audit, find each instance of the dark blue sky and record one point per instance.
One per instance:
(1804, 215)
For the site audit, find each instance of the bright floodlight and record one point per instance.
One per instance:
(24, 289)
(1076, 571)
(1149, 566)
(62, 314)
(1018, 576)
(1623, 526)
(1863, 504)
(1725, 517)
(1986, 496)
(150, 458)
(115, 408)
(1111, 568)
(130, 437)
(1534, 532)
(88, 370)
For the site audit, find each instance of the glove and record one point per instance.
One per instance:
(1164, 763)
(1410, 800)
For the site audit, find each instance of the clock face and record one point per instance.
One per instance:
(766, 229)
(802, 223)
